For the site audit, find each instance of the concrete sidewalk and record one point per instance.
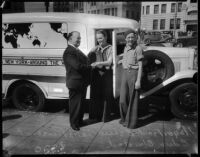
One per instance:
(50, 133)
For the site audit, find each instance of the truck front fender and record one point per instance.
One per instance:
(188, 74)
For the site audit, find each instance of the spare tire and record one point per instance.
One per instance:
(157, 67)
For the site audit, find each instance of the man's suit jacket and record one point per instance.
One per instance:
(77, 68)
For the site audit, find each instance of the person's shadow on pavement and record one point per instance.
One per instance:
(154, 112)
(10, 117)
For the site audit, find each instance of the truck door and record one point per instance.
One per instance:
(118, 43)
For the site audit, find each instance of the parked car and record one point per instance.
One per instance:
(166, 38)
(186, 42)
(152, 36)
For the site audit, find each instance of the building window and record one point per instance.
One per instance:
(173, 7)
(155, 24)
(138, 15)
(127, 13)
(193, 1)
(163, 8)
(143, 10)
(147, 9)
(108, 11)
(171, 24)
(94, 11)
(93, 3)
(81, 4)
(113, 11)
(98, 11)
(156, 9)
(132, 14)
(162, 24)
(75, 5)
(179, 7)
(178, 23)
(88, 12)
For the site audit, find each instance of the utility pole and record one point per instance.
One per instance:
(175, 18)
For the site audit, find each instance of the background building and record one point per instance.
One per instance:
(77, 7)
(190, 20)
(38, 7)
(13, 7)
(122, 9)
(61, 6)
(169, 16)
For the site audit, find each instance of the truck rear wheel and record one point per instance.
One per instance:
(28, 97)
(183, 100)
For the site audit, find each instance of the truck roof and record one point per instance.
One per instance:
(92, 20)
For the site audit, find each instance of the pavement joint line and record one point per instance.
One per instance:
(18, 122)
(40, 127)
(128, 141)
(164, 137)
(85, 152)
(26, 137)
(62, 135)
(20, 142)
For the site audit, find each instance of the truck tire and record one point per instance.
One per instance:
(157, 67)
(183, 100)
(28, 97)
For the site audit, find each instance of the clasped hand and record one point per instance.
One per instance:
(96, 64)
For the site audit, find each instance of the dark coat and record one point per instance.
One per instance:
(77, 68)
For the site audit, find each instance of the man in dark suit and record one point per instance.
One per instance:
(77, 78)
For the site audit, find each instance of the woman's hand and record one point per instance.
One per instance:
(96, 64)
(137, 85)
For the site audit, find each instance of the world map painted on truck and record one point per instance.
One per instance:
(34, 35)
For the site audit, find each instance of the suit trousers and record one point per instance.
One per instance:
(129, 98)
(76, 105)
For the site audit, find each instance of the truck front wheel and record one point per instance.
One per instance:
(183, 100)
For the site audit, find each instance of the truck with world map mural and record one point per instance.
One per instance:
(33, 70)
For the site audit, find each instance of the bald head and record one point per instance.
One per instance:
(74, 38)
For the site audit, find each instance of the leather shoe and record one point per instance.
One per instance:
(76, 128)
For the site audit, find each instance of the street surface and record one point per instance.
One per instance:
(49, 132)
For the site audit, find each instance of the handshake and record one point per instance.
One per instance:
(96, 64)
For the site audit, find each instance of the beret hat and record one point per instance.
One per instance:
(130, 31)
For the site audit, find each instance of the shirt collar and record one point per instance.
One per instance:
(72, 45)
(103, 48)
(130, 47)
